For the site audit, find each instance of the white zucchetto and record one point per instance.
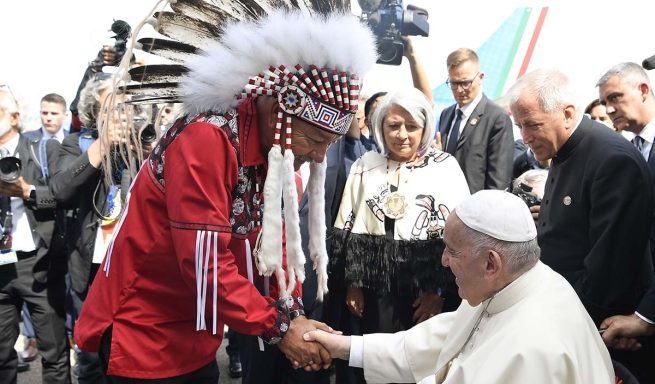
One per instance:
(499, 214)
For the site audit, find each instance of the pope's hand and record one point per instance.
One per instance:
(337, 345)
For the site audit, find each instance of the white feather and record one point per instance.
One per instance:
(283, 38)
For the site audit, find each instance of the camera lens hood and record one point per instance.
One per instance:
(10, 168)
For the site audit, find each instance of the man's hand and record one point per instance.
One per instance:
(19, 188)
(620, 332)
(427, 305)
(337, 345)
(408, 50)
(355, 301)
(311, 356)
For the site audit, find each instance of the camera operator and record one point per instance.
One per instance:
(95, 167)
(32, 267)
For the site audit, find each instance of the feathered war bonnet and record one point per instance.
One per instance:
(309, 55)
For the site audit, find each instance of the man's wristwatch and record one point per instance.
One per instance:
(295, 313)
(32, 196)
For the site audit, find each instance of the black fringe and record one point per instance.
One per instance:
(387, 266)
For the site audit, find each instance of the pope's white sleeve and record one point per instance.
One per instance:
(356, 352)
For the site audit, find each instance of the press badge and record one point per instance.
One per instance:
(8, 257)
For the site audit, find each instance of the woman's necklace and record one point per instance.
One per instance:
(395, 203)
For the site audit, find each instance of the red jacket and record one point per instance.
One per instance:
(193, 214)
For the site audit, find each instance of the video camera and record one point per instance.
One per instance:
(389, 21)
(524, 191)
(123, 32)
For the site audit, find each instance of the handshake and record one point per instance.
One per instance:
(312, 345)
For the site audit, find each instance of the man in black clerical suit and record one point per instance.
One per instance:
(595, 216)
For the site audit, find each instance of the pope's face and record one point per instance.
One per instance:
(468, 268)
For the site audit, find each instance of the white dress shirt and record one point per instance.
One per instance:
(23, 238)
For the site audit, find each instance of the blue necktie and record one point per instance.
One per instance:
(638, 141)
(451, 147)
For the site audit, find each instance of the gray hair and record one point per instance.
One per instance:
(519, 256)
(551, 88)
(628, 72)
(417, 105)
(531, 177)
(9, 104)
(89, 104)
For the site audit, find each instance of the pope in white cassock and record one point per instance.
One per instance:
(519, 322)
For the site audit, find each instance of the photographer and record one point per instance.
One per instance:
(31, 264)
(95, 167)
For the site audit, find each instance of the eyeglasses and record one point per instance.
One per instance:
(465, 84)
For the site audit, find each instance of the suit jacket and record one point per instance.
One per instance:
(647, 306)
(80, 186)
(534, 331)
(485, 148)
(37, 134)
(41, 211)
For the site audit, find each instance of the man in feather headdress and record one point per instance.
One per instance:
(208, 204)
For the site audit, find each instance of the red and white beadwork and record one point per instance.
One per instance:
(323, 97)
(292, 100)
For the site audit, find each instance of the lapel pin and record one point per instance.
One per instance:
(567, 200)
(474, 121)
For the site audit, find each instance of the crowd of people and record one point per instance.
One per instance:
(416, 249)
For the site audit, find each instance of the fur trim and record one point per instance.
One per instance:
(390, 267)
(317, 227)
(295, 255)
(269, 250)
(338, 41)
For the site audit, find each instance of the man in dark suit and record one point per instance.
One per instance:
(31, 264)
(476, 130)
(626, 92)
(595, 216)
(53, 115)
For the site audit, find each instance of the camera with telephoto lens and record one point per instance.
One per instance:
(524, 191)
(10, 168)
(144, 128)
(148, 135)
(389, 21)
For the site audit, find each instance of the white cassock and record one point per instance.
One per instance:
(534, 331)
